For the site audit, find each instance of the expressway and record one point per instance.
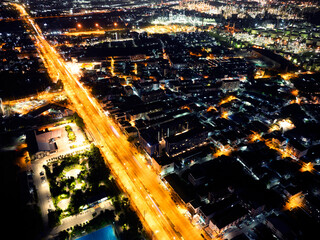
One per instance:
(160, 216)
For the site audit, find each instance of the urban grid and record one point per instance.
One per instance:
(160, 119)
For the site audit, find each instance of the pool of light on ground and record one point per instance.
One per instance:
(106, 233)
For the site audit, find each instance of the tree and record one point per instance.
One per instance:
(78, 120)
(98, 169)
(54, 217)
(77, 200)
(63, 235)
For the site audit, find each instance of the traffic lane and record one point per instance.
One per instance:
(164, 201)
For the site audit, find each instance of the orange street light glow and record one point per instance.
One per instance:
(211, 108)
(295, 92)
(227, 99)
(284, 124)
(186, 107)
(295, 201)
(255, 137)
(273, 127)
(224, 115)
(288, 76)
(307, 167)
(223, 150)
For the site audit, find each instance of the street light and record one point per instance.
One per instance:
(79, 25)
(97, 25)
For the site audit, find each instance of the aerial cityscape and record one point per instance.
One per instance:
(160, 120)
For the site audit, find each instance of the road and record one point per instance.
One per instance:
(81, 218)
(159, 214)
(48, 96)
(43, 190)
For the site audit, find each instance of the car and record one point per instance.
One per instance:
(41, 173)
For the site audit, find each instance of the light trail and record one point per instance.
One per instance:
(137, 162)
(138, 182)
(115, 131)
(154, 204)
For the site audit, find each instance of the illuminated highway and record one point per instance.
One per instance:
(159, 214)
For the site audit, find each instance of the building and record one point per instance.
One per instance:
(207, 211)
(149, 142)
(279, 227)
(197, 175)
(227, 218)
(185, 141)
(230, 85)
(163, 165)
(41, 143)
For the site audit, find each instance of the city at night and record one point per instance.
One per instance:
(160, 119)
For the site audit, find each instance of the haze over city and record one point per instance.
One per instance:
(160, 119)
